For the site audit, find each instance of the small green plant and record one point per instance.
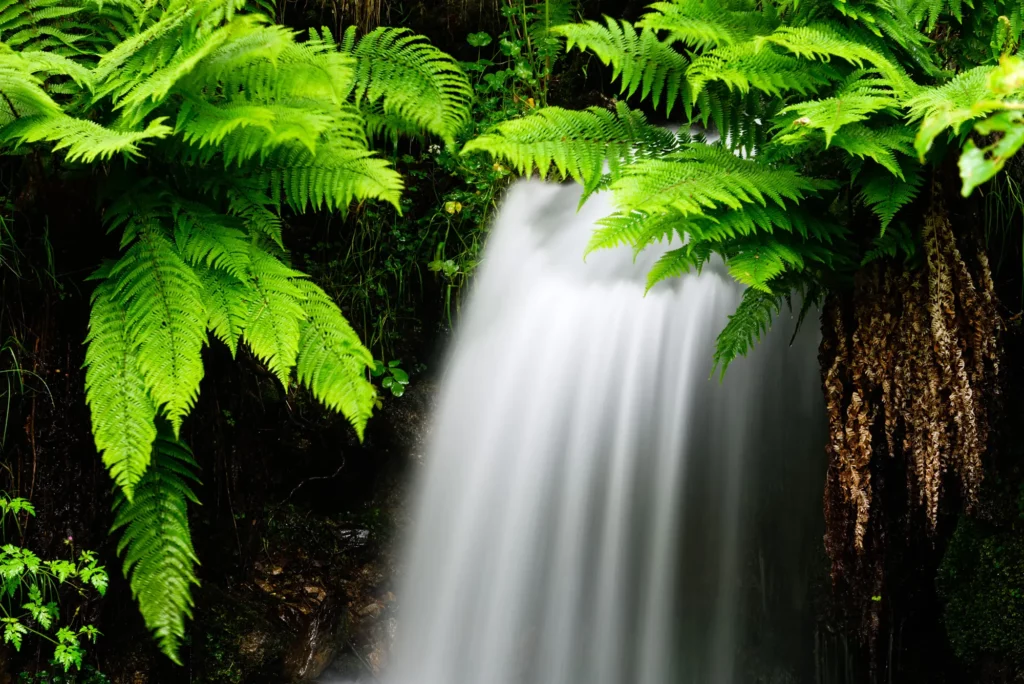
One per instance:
(87, 675)
(31, 589)
(392, 377)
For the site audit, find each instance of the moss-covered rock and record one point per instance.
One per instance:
(981, 580)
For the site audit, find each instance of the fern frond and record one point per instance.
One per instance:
(257, 211)
(332, 361)
(822, 42)
(886, 194)
(677, 262)
(83, 140)
(700, 178)
(950, 106)
(332, 177)
(754, 65)
(121, 409)
(166, 320)
(156, 543)
(879, 144)
(576, 143)
(641, 60)
(413, 79)
(204, 236)
(856, 101)
(635, 229)
(228, 303)
(751, 321)
(273, 321)
(705, 23)
(755, 262)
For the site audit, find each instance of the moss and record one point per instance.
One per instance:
(981, 581)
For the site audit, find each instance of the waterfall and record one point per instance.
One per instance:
(595, 507)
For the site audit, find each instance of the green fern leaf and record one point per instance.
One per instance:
(84, 140)
(413, 79)
(677, 262)
(332, 177)
(159, 560)
(227, 302)
(166, 320)
(706, 24)
(121, 409)
(700, 178)
(886, 194)
(751, 321)
(273, 321)
(641, 60)
(332, 361)
(576, 143)
(204, 236)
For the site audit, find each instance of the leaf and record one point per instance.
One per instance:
(978, 165)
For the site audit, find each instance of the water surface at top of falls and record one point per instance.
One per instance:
(593, 501)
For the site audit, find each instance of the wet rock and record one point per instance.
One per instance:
(317, 645)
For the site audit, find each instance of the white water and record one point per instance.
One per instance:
(592, 499)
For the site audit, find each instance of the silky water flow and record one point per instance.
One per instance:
(595, 506)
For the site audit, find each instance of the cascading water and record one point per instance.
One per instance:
(595, 508)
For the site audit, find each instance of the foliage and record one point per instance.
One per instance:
(33, 589)
(204, 124)
(389, 259)
(87, 675)
(812, 164)
(982, 583)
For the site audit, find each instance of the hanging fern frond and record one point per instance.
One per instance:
(950, 106)
(273, 321)
(156, 543)
(331, 178)
(577, 144)
(706, 23)
(121, 409)
(82, 140)
(165, 318)
(887, 194)
(413, 79)
(750, 322)
(228, 303)
(332, 362)
(641, 60)
(700, 178)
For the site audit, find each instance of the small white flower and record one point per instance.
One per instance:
(434, 149)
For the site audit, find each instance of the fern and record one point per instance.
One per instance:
(156, 543)
(886, 194)
(703, 177)
(412, 79)
(640, 60)
(216, 119)
(162, 298)
(574, 144)
(122, 410)
(332, 361)
(751, 321)
(273, 320)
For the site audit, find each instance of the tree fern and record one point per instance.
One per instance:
(156, 543)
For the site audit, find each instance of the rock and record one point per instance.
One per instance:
(317, 645)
